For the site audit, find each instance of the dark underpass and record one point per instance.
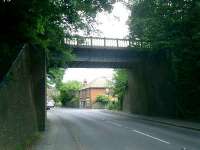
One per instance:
(149, 91)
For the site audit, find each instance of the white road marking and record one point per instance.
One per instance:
(151, 136)
(155, 138)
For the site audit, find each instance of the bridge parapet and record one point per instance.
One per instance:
(106, 42)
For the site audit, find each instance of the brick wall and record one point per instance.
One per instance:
(91, 94)
(94, 92)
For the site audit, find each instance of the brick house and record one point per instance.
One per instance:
(88, 94)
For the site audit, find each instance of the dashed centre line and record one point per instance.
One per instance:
(151, 136)
(139, 132)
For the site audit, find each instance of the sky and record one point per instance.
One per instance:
(114, 25)
(111, 25)
(82, 74)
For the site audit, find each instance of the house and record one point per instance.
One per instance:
(88, 94)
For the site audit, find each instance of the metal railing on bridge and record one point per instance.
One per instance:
(105, 42)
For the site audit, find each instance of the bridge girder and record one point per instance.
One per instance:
(86, 57)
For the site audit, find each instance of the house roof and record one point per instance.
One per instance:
(101, 82)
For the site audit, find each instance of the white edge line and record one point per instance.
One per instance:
(151, 136)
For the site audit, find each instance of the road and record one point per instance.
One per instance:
(85, 129)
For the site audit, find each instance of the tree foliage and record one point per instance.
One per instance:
(68, 91)
(120, 84)
(104, 99)
(173, 25)
(55, 76)
(44, 23)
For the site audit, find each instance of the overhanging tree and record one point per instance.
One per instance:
(44, 23)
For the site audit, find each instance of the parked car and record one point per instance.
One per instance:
(50, 104)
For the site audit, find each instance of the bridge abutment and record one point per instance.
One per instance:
(151, 89)
(38, 72)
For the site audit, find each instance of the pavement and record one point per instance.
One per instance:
(87, 129)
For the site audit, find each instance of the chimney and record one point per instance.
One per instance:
(85, 82)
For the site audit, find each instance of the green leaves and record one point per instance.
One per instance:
(68, 91)
(120, 84)
(55, 76)
(45, 23)
(104, 99)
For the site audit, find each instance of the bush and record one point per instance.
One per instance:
(68, 91)
(103, 99)
(113, 105)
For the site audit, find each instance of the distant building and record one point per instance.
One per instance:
(88, 94)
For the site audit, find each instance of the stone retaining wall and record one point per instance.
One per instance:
(18, 102)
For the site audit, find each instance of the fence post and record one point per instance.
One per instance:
(104, 42)
(117, 43)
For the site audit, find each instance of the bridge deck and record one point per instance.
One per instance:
(106, 52)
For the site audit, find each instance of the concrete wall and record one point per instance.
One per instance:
(38, 74)
(150, 87)
(19, 106)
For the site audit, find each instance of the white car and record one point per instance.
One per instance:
(50, 104)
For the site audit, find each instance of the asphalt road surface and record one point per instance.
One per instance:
(86, 129)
